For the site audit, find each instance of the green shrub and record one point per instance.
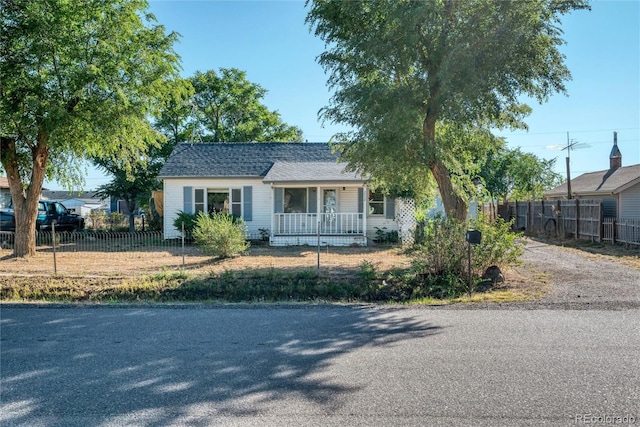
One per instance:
(384, 236)
(499, 245)
(189, 221)
(220, 235)
(440, 261)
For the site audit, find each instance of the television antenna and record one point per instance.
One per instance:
(572, 144)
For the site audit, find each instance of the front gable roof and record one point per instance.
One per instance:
(610, 181)
(240, 159)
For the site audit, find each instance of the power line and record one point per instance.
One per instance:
(562, 132)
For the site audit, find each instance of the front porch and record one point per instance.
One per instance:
(332, 228)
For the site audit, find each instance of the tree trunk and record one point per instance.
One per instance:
(454, 205)
(132, 223)
(25, 203)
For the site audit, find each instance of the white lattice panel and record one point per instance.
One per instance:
(406, 218)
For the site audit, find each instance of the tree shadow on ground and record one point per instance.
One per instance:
(156, 367)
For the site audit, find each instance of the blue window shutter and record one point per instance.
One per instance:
(313, 199)
(187, 200)
(390, 208)
(278, 196)
(248, 202)
(360, 200)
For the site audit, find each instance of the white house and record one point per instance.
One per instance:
(297, 192)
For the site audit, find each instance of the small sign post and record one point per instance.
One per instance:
(473, 237)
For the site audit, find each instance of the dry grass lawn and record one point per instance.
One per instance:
(333, 261)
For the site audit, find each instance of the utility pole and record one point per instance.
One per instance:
(570, 144)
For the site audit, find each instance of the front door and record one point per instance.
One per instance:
(330, 201)
(329, 208)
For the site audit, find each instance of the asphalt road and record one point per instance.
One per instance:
(141, 366)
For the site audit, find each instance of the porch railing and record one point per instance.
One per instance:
(307, 223)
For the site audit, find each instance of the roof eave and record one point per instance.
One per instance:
(210, 177)
(345, 183)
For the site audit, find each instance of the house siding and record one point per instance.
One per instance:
(262, 205)
(375, 222)
(630, 203)
(174, 201)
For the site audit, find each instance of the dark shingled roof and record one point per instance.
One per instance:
(239, 159)
(610, 181)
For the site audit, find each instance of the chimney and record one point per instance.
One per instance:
(615, 158)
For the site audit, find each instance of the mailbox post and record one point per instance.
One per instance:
(473, 237)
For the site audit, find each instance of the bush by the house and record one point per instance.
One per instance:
(186, 220)
(220, 235)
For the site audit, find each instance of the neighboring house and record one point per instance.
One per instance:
(295, 192)
(617, 187)
(82, 203)
(5, 195)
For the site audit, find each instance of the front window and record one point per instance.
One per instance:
(295, 200)
(218, 202)
(222, 201)
(199, 200)
(236, 202)
(376, 203)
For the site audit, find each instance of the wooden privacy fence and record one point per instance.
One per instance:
(581, 219)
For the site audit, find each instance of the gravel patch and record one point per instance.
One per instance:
(578, 280)
(580, 277)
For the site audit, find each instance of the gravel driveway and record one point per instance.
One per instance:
(581, 280)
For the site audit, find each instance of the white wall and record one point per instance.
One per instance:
(262, 203)
(173, 200)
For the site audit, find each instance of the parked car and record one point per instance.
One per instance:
(7, 221)
(48, 213)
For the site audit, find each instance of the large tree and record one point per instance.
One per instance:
(79, 80)
(133, 179)
(228, 109)
(402, 68)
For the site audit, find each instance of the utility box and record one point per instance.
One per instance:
(474, 237)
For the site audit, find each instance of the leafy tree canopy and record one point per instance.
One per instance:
(79, 80)
(228, 109)
(402, 69)
(514, 175)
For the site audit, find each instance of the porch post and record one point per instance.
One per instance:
(319, 208)
(273, 214)
(365, 210)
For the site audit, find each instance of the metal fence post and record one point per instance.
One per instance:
(182, 244)
(318, 234)
(53, 241)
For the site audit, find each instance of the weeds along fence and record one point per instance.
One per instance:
(103, 253)
(575, 218)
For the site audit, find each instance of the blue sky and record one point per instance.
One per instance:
(271, 42)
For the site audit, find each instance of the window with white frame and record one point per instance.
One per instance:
(226, 201)
(236, 202)
(199, 202)
(376, 203)
(295, 200)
